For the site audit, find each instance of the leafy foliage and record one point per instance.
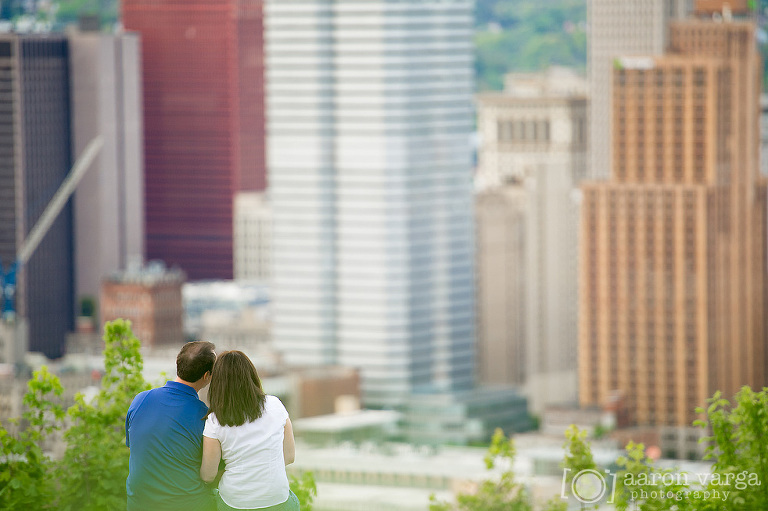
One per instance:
(647, 479)
(24, 468)
(502, 495)
(305, 489)
(91, 475)
(738, 445)
(87, 306)
(578, 452)
(96, 438)
(578, 455)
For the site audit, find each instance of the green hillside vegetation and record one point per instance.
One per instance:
(69, 11)
(526, 35)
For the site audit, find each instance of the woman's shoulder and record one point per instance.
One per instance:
(211, 419)
(271, 400)
(273, 403)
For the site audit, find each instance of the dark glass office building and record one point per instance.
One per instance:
(34, 160)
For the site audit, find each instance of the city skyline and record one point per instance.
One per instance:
(410, 259)
(373, 247)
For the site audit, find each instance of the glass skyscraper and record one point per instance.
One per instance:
(369, 118)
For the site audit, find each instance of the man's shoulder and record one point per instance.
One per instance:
(140, 397)
(150, 396)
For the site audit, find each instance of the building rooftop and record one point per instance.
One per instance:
(154, 272)
(340, 422)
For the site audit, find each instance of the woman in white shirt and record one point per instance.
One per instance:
(251, 431)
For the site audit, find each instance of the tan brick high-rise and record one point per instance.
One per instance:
(673, 246)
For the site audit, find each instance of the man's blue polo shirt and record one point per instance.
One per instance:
(164, 429)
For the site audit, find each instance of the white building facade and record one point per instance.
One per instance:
(369, 121)
(533, 154)
(106, 100)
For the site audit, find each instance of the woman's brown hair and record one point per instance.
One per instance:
(235, 392)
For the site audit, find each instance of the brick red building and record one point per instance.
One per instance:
(150, 298)
(203, 124)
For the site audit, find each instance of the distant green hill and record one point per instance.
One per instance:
(70, 10)
(527, 35)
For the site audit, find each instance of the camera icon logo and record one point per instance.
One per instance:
(589, 486)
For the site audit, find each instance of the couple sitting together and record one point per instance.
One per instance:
(177, 443)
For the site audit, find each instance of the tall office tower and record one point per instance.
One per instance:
(369, 108)
(534, 137)
(764, 134)
(617, 28)
(105, 72)
(500, 214)
(35, 159)
(203, 125)
(253, 237)
(673, 252)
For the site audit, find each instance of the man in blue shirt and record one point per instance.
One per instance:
(164, 429)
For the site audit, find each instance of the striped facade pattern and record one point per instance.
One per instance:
(369, 115)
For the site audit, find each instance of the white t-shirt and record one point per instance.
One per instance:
(255, 474)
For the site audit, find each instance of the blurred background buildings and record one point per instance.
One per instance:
(604, 263)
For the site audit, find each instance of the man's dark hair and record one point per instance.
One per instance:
(235, 392)
(194, 360)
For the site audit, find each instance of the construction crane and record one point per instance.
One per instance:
(9, 277)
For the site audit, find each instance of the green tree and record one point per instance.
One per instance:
(739, 448)
(578, 452)
(578, 455)
(640, 480)
(24, 468)
(87, 306)
(504, 494)
(305, 489)
(92, 473)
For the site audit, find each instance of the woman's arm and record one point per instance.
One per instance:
(211, 457)
(289, 445)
